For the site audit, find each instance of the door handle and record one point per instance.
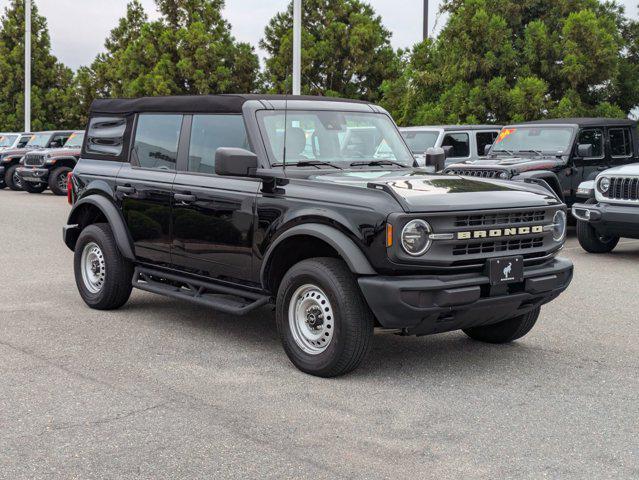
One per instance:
(126, 189)
(184, 197)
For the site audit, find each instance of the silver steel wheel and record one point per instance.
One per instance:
(93, 267)
(311, 319)
(62, 182)
(17, 181)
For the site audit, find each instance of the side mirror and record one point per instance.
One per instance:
(487, 149)
(585, 150)
(55, 144)
(436, 158)
(448, 151)
(235, 162)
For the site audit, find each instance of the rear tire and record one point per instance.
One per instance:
(11, 178)
(103, 276)
(58, 180)
(323, 321)
(34, 187)
(506, 331)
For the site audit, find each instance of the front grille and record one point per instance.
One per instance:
(504, 218)
(33, 160)
(623, 188)
(475, 173)
(498, 246)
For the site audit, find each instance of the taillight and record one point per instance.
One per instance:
(70, 188)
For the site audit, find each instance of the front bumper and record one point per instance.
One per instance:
(33, 174)
(433, 304)
(610, 219)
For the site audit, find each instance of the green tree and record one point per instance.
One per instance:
(188, 50)
(515, 60)
(52, 92)
(346, 50)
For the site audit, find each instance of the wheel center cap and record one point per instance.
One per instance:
(314, 317)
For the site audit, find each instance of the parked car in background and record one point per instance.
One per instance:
(563, 152)
(239, 201)
(49, 168)
(611, 210)
(10, 141)
(10, 159)
(461, 142)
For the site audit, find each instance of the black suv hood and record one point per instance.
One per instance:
(419, 191)
(512, 163)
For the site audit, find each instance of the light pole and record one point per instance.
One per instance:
(27, 65)
(297, 47)
(425, 19)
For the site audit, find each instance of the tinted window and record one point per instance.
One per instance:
(156, 141)
(419, 142)
(60, 139)
(620, 142)
(460, 143)
(210, 132)
(105, 136)
(23, 141)
(595, 138)
(484, 139)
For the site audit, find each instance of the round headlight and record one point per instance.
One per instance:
(504, 175)
(416, 237)
(560, 223)
(604, 184)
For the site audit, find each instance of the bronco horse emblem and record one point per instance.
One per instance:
(507, 271)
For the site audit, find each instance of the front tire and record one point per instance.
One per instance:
(34, 187)
(103, 276)
(12, 179)
(592, 241)
(506, 331)
(58, 180)
(323, 321)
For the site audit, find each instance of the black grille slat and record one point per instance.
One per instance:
(532, 216)
(31, 160)
(623, 188)
(476, 248)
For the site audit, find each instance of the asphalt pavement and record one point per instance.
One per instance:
(163, 389)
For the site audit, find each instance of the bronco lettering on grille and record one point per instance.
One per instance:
(497, 233)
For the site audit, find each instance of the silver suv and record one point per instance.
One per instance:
(462, 142)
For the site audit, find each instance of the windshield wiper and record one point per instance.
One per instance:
(509, 152)
(309, 163)
(377, 163)
(537, 152)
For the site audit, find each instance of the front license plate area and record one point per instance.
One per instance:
(506, 270)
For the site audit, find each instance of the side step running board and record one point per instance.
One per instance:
(220, 297)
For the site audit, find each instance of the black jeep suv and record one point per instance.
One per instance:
(563, 152)
(10, 159)
(240, 201)
(50, 167)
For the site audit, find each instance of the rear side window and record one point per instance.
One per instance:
(156, 141)
(593, 137)
(483, 140)
(460, 143)
(105, 136)
(620, 142)
(210, 132)
(23, 141)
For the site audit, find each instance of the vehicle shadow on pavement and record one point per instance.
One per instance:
(449, 354)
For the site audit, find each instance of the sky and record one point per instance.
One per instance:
(78, 27)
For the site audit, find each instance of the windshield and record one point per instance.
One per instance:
(75, 140)
(338, 138)
(420, 141)
(7, 140)
(39, 140)
(555, 140)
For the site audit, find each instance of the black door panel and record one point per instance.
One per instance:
(213, 223)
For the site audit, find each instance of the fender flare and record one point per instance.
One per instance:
(546, 175)
(114, 218)
(347, 249)
(65, 161)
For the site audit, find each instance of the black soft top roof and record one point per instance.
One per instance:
(586, 122)
(193, 103)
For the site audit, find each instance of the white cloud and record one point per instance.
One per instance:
(78, 27)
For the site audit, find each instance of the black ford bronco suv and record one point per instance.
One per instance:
(240, 201)
(10, 159)
(563, 152)
(49, 168)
